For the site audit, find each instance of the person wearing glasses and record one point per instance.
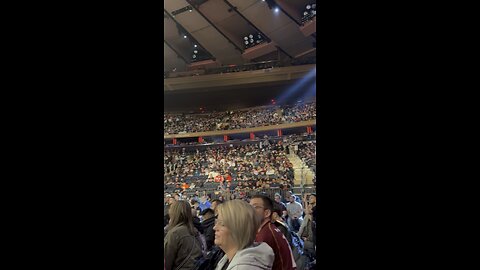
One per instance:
(181, 245)
(270, 234)
(235, 228)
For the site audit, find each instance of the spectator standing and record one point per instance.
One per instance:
(268, 233)
(280, 223)
(180, 244)
(295, 212)
(278, 199)
(214, 204)
(207, 225)
(306, 232)
(204, 203)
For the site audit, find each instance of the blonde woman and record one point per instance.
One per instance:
(235, 229)
(181, 245)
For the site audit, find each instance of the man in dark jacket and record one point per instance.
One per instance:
(279, 222)
(196, 221)
(207, 226)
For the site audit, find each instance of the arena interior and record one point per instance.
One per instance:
(240, 135)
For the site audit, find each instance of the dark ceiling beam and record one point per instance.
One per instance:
(173, 49)
(214, 26)
(287, 14)
(234, 8)
(191, 36)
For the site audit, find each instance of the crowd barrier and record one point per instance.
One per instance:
(270, 192)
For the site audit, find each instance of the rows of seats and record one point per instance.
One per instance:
(307, 152)
(253, 117)
(252, 165)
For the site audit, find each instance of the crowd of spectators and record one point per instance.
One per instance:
(249, 233)
(307, 152)
(250, 166)
(253, 117)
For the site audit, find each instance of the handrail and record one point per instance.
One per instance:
(239, 131)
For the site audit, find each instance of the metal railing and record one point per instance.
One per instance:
(270, 192)
(224, 69)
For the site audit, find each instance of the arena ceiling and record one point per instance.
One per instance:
(217, 28)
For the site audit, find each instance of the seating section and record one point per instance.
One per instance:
(260, 164)
(253, 117)
(307, 152)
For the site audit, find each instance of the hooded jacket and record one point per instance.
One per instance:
(259, 256)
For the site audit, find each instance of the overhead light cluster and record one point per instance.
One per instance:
(252, 40)
(198, 54)
(309, 13)
(195, 54)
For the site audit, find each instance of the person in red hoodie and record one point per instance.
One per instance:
(271, 235)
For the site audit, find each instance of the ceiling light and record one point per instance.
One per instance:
(277, 9)
(195, 51)
(195, 45)
(309, 7)
(184, 36)
(250, 36)
(245, 38)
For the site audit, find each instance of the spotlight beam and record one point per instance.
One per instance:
(311, 74)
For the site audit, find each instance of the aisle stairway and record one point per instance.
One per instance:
(301, 171)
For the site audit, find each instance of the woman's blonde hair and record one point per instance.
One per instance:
(239, 217)
(180, 213)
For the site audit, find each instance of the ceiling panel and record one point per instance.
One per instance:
(230, 27)
(216, 10)
(209, 37)
(171, 60)
(192, 21)
(276, 25)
